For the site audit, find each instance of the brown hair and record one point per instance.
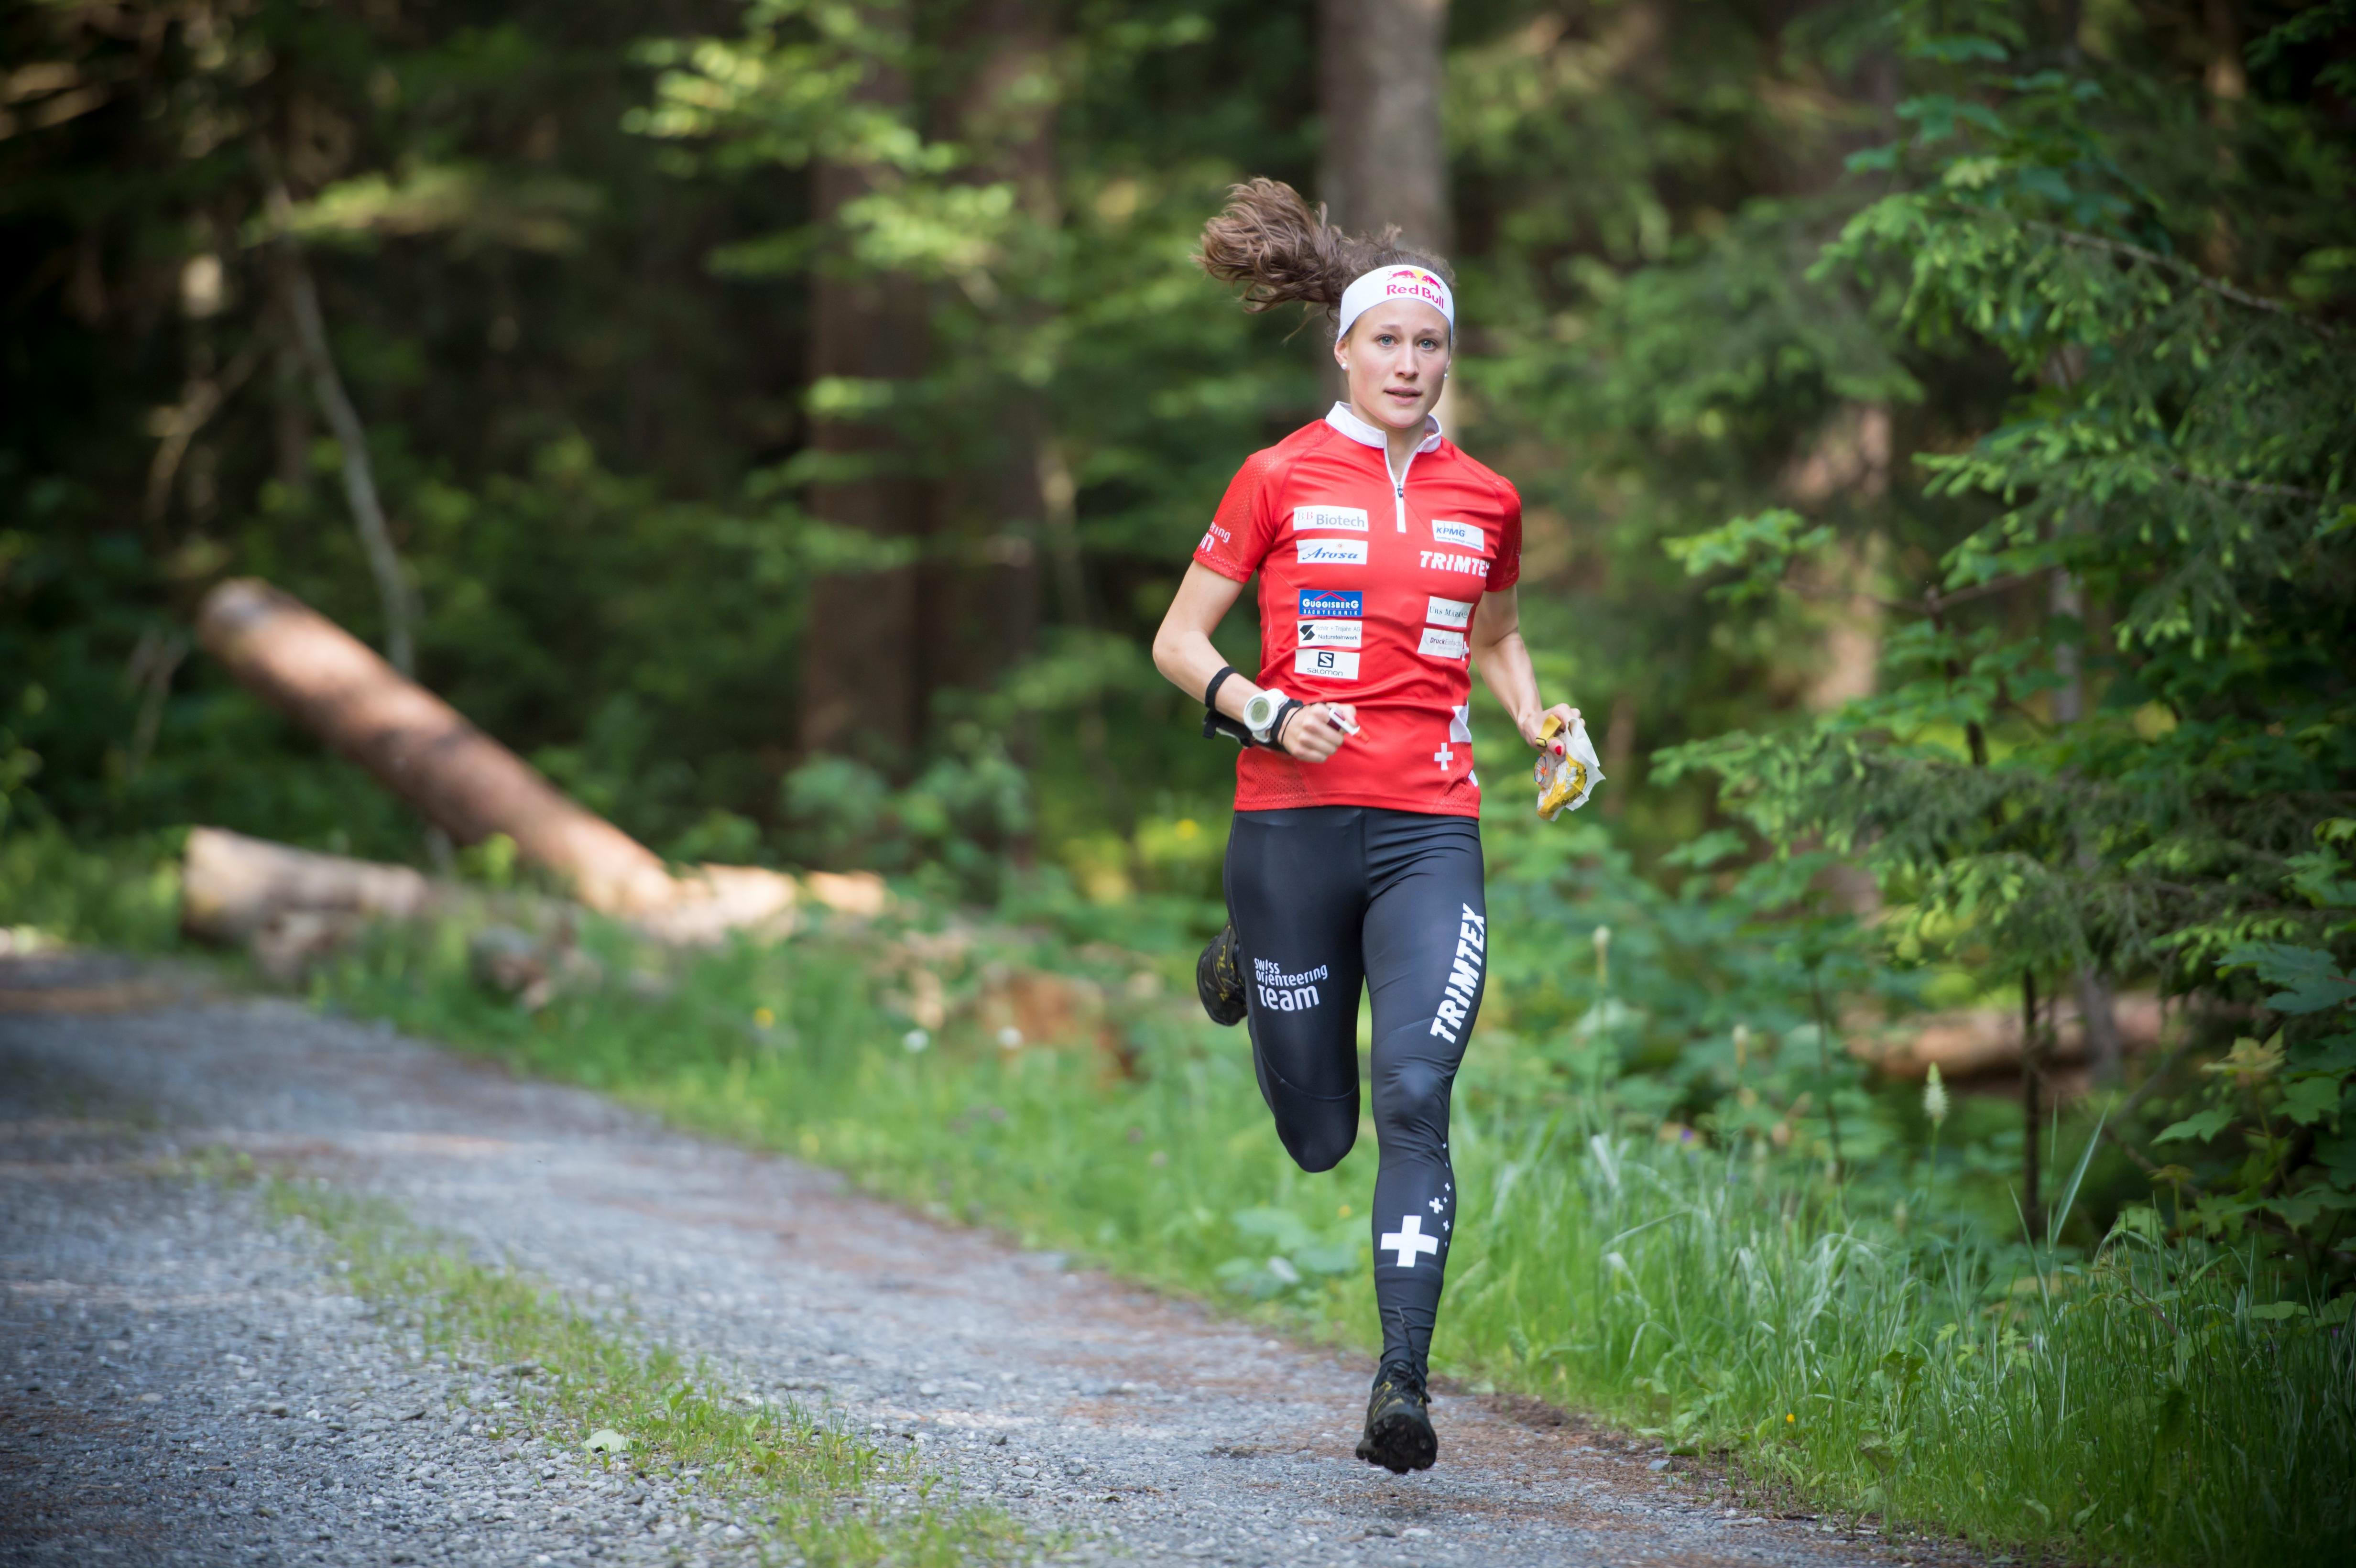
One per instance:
(1268, 241)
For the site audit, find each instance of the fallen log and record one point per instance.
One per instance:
(463, 782)
(421, 747)
(231, 887)
(290, 906)
(1987, 1040)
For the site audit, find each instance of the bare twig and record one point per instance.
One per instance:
(153, 662)
(360, 477)
(204, 399)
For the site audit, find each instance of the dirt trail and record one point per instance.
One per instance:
(1151, 1430)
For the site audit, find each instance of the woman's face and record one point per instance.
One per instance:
(1395, 358)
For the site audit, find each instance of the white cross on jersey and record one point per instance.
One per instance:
(1443, 756)
(1409, 1241)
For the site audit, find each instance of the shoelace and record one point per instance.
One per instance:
(1404, 1380)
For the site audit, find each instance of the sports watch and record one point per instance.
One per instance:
(1261, 711)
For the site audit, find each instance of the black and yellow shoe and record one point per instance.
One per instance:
(1398, 1428)
(1219, 978)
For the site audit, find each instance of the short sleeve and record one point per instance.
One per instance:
(1508, 570)
(1240, 533)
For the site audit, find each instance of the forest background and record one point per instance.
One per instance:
(789, 419)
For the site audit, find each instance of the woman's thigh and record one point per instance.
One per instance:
(1296, 890)
(1426, 947)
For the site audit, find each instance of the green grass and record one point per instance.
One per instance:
(126, 897)
(2135, 1404)
(833, 1499)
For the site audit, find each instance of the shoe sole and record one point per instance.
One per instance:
(1400, 1443)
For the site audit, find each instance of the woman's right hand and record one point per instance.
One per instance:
(1311, 736)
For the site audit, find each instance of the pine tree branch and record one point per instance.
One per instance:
(2184, 269)
(1931, 603)
(2251, 487)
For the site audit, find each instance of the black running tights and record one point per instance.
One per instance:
(1324, 898)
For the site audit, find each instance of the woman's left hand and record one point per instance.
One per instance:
(1564, 710)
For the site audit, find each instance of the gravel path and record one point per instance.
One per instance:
(189, 1385)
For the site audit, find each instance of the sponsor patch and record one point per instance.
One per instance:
(1332, 602)
(1440, 645)
(1333, 633)
(1465, 534)
(1340, 552)
(1346, 519)
(1287, 993)
(1326, 664)
(1456, 613)
(1437, 560)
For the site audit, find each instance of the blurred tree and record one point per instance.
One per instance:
(1384, 160)
(862, 673)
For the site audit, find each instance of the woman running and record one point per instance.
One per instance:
(1387, 561)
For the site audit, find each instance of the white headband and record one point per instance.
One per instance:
(1395, 282)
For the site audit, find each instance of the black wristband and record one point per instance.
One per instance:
(1292, 705)
(1216, 723)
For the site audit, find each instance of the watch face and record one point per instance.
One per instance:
(1261, 708)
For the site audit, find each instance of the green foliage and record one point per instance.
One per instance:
(2173, 461)
(53, 890)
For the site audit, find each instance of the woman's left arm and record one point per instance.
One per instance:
(1503, 661)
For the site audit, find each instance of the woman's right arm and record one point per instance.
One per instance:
(1184, 654)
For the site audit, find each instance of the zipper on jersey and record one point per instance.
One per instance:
(1399, 488)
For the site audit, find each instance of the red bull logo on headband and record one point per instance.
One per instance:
(1414, 283)
(1396, 282)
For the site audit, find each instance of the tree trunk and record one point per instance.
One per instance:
(862, 660)
(1378, 88)
(458, 778)
(985, 596)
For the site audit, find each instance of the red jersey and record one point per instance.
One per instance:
(1367, 589)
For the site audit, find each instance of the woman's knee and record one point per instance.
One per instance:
(1320, 1138)
(1412, 1097)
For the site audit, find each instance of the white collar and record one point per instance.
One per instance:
(1345, 418)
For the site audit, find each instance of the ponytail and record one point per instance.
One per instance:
(1268, 242)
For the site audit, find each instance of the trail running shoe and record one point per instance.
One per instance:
(1398, 1429)
(1220, 980)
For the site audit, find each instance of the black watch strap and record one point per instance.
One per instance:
(1292, 705)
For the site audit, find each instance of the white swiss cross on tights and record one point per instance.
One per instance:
(1410, 1242)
